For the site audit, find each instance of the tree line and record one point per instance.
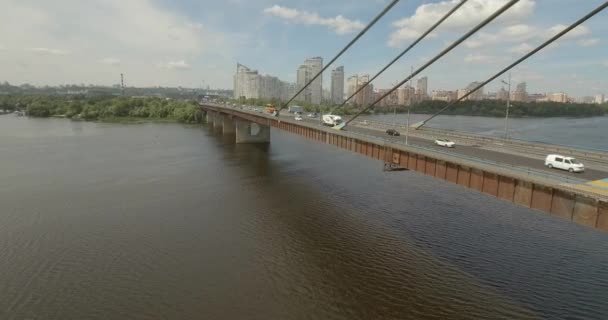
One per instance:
(486, 108)
(497, 108)
(103, 108)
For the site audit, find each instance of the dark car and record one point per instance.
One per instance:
(392, 132)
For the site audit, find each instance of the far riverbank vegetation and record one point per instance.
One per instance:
(109, 108)
(485, 108)
(145, 109)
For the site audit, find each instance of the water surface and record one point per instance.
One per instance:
(588, 133)
(163, 221)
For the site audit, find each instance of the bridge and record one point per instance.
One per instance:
(510, 170)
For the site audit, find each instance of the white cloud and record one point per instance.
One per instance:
(139, 31)
(110, 61)
(472, 43)
(521, 33)
(574, 33)
(338, 24)
(48, 51)
(605, 63)
(518, 31)
(180, 65)
(588, 42)
(521, 49)
(467, 16)
(479, 58)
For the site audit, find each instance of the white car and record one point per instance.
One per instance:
(564, 163)
(331, 120)
(298, 118)
(445, 143)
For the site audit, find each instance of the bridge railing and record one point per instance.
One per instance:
(590, 154)
(545, 178)
(533, 175)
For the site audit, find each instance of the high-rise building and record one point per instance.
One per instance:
(586, 99)
(288, 89)
(502, 94)
(246, 83)
(249, 84)
(520, 93)
(388, 101)
(537, 97)
(302, 78)
(314, 92)
(477, 95)
(599, 99)
(366, 95)
(558, 97)
(337, 85)
(326, 97)
(405, 95)
(351, 86)
(314, 65)
(443, 95)
(422, 89)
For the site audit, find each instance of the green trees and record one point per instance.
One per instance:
(38, 109)
(497, 108)
(150, 108)
(100, 108)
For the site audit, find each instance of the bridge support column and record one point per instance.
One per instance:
(209, 117)
(250, 132)
(218, 121)
(228, 126)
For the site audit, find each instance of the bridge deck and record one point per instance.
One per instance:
(517, 178)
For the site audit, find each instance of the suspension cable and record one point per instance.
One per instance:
(520, 60)
(437, 57)
(380, 15)
(440, 21)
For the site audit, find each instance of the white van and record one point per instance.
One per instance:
(564, 163)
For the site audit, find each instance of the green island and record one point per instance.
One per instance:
(105, 108)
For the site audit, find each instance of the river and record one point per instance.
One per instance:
(168, 221)
(586, 133)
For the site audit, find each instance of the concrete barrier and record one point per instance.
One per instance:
(585, 211)
(506, 188)
(451, 173)
(441, 170)
(562, 204)
(541, 198)
(476, 181)
(602, 220)
(464, 176)
(523, 193)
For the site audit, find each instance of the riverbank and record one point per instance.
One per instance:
(106, 109)
(477, 108)
(497, 109)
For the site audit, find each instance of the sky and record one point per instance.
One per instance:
(194, 43)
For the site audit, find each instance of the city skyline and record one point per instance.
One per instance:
(179, 44)
(269, 87)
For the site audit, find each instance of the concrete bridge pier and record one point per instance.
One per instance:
(209, 115)
(218, 121)
(228, 125)
(250, 132)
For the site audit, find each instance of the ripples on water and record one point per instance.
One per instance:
(104, 221)
(586, 133)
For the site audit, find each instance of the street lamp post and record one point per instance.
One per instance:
(409, 106)
(508, 106)
(407, 126)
